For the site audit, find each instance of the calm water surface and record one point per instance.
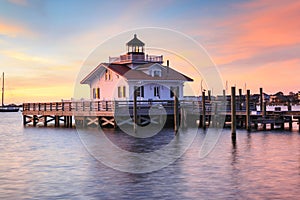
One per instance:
(49, 163)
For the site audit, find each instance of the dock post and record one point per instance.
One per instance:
(176, 112)
(135, 119)
(248, 122)
(215, 117)
(209, 100)
(24, 119)
(289, 106)
(35, 119)
(240, 100)
(264, 113)
(233, 114)
(203, 111)
(45, 120)
(290, 123)
(261, 99)
(290, 119)
(70, 122)
(272, 126)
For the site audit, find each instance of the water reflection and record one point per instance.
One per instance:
(43, 163)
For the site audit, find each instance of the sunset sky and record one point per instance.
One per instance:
(44, 43)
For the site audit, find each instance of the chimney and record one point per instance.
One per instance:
(168, 66)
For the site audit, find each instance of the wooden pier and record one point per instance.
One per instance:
(239, 113)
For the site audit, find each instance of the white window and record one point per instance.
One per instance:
(156, 73)
(96, 93)
(108, 75)
(139, 91)
(121, 91)
(156, 91)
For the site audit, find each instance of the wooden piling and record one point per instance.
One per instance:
(272, 126)
(135, 119)
(299, 124)
(289, 105)
(240, 99)
(209, 95)
(209, 100)
(290, 123)
(264, 113)
(203, 111)
(45, 121)
(261, 99)
(248, 122)
(176, 112)
(24, 118)
(176, 115)
(35, 120)
(233, 113)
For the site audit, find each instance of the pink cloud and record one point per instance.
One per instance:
(256, 44)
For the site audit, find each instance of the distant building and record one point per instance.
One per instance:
(135, 70)
(278, 98)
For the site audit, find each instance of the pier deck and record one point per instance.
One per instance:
(103, 113)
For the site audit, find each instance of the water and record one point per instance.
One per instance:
(52, 163)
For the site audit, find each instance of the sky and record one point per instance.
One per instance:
(44, 43)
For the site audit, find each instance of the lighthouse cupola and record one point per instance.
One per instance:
(135, 46)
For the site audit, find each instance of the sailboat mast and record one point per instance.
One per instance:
(2, 89)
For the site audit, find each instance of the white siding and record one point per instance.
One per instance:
(109, 88)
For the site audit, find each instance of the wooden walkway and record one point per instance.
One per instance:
(103, 113)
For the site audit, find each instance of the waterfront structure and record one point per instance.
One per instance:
(135, 71)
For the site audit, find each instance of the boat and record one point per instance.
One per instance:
(8, 108)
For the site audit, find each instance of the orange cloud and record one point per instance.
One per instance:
(25, 57)
(13, 30)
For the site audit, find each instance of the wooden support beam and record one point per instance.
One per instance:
(209, 95)
(176, 112)
(264, 109)
(215, 115)
(233, 113)
(290, 124)
(24, 119)
(107, 121)
(92, 121)
(272, 126)
(70, 121)
(135, 118)
(45, 120)
(203, 111)
(248, 120)
(240, 100)
(35, 120)
(261, 99)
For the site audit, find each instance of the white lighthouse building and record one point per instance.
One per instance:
(135, 70)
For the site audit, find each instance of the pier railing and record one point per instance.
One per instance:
(88, 106)
(139, 58)
(70, 106)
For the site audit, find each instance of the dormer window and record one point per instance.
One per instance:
(156, 73)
